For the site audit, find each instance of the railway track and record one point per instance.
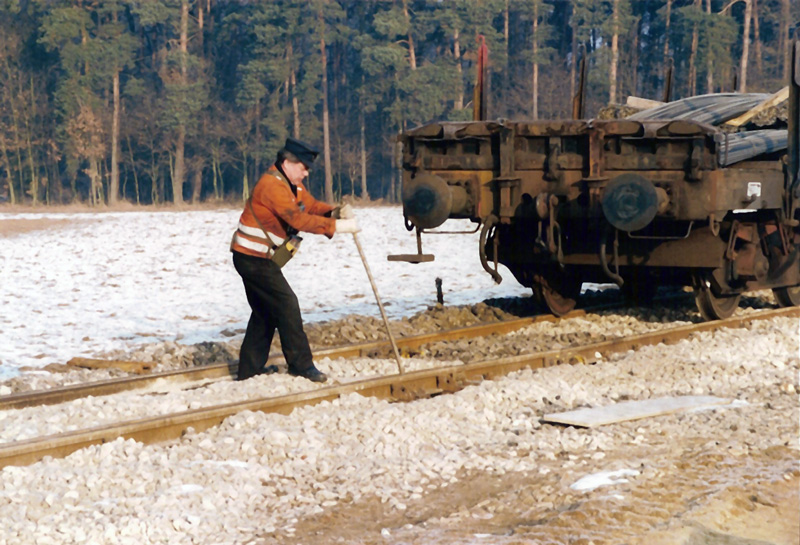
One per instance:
(407, 387)
(206, 372)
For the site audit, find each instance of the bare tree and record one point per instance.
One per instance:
(326, 131)
(293, 88)
(710, 60)
(86, 134)
(363, 146)
(748, 14)
(667, 22)
(693, 56)
(179, 172)
(535, 89)
(113, 182)
(412, 55)
(784, 37)
(612, 72)
(459, 104)
(757, 40)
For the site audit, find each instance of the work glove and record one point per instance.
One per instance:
(344, 212)
(347, 226)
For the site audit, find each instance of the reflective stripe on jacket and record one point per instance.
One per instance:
(278, 209)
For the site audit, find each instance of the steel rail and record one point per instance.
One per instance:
(205, 372)
(406, 387)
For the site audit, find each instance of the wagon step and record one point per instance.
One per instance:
(411, 258)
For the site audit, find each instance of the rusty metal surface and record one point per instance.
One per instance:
(704, 178)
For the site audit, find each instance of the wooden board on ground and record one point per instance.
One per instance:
(138, 367)
(633, 410)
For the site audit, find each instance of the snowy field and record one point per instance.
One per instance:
(95, 282)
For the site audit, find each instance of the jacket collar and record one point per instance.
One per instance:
(276, 171)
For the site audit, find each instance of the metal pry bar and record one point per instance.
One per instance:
(380, 305)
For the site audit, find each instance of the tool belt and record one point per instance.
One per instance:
(280, 254)
(283, 253)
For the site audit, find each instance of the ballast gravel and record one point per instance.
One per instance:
(256, 477)
(168, 397)
(595, 326)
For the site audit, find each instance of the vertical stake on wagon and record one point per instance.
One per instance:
(380, 305)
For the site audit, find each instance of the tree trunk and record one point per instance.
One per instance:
(786, 49)
(94, 183)
(214, 179)
(245, 180)
(506, 34)
(31, 165)
(748, 13)
(113, 183)
(399, 153)
(16, 137)
(197, 183)
(257, 147)
(459, 105)
(9, 178)
(412, 56)
(535, 82)
(326, 131)
(295, 102)
(133, 168)
(200, 24)
(47, 187)
(710, 60)
(337, 135)
(179, 170)
(635, 59)
(693, 57)
(392, 180)
(612, 72)
(362, 122)
(507, 42)
(574, 64)
(667, 22)
(757, 41)
(179, 173)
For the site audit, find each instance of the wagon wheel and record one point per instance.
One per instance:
(558, 292)
(714, 307)
(787, 297)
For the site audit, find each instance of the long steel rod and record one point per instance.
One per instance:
(380, 305)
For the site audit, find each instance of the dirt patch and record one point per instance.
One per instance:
(11, 227)
(16, 226)
(122, 206)
(683, 495)
(753, 514)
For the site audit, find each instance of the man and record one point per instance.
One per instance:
(266, 238)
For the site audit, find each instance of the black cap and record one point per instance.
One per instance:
(305, 153)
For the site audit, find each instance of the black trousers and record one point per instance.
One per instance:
(274, 306)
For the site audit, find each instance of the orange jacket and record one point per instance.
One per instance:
(277, 209)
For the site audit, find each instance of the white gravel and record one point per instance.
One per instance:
(257, 474)
(168, 397)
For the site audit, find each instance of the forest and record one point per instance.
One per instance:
(175, 101)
